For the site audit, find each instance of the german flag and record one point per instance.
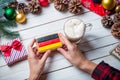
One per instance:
(50, 42)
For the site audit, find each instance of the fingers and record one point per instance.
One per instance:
(37, 53)
(61, 39)
(45, 56)
(62, 51)
(40, 55)
(35, 49)
(30, 49)
(65, 40)
(31, 45)
(65, 47)
(32, 42)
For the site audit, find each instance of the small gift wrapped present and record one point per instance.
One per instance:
(13, 51)
(95, 7)
(116, 51)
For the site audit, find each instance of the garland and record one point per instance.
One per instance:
(16, 12)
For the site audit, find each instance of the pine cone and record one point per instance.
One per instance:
(75, 7)
(61, 5)
(26, 10)
(117, 17)
(107, 21)
(13, 4)
(22, 7)
(34, 7)
(116, 30)
(51, 1)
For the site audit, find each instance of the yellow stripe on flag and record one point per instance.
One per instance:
(50, 47)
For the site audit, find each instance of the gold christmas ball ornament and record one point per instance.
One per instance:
(117, 9)
(109, 4)
(21, 17)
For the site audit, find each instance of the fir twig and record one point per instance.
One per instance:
(3, 4)
(6, 23)
(8, 34)
(6, 1)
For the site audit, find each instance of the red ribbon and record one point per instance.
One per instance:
(7, 49)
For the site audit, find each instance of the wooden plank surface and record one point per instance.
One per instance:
(73, 73)
(96, 45)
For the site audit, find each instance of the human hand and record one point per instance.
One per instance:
(71, 53)
(74, 55)
(36, 61)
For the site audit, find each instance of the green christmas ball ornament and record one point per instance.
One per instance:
(10, 13)
(109, 4)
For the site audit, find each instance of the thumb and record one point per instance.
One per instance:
(45, 56)
(62, 51)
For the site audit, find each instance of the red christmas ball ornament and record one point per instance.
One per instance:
(43, 3)
(118, 2)
(108, 12)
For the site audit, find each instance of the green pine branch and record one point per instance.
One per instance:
(7, 23)
(4, 29)
(6, 1)
(7, 33)
(3, 4)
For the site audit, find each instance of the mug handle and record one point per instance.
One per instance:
(89, 26)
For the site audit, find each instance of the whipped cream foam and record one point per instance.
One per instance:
(74, 29)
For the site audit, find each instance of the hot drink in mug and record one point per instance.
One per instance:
(74, 29)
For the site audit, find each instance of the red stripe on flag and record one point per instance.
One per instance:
(48, 42)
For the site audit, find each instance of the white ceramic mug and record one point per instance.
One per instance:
(74, 29)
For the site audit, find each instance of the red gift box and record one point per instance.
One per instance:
(13, 51)
(116, 51)
(95, 7)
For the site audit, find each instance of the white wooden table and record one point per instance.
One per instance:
(96, 44)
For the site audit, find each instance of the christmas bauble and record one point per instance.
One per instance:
(97, 1)
(117, 9)
(108, 12)
(108, 4)
(10, 13)
(43, 3)
(118, 2)
(21, 17)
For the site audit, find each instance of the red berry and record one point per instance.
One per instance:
(43, 3)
